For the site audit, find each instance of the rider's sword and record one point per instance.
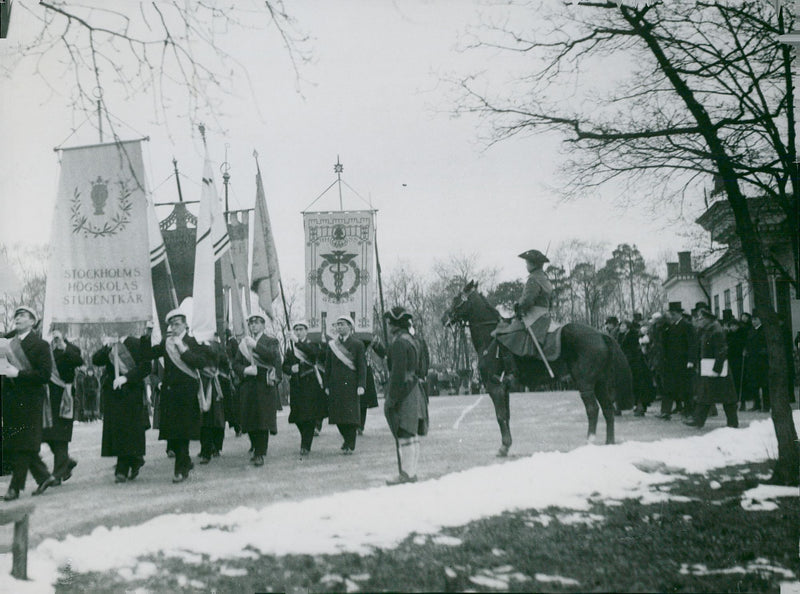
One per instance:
(539, 350)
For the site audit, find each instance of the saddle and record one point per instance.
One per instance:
(513, 335)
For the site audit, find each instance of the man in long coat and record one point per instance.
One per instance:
(181, 417)
(258, 365)
(346, 375)
(303, 364)
(125, 368)
(66, 359)
(756, 366)
(212, 432)
(716, 384)
(24, 390)
(405, 407)
(679, 351)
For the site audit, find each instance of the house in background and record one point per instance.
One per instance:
(725, 283)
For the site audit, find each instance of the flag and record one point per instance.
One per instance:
(158, 251)
(339, 268)
(99, 261)
(211, 243)
(9, 281)
(265, 274)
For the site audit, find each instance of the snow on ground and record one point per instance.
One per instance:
(387, 515)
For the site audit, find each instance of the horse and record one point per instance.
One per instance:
(593, 359)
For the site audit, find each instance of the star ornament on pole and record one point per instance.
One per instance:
(338, 167)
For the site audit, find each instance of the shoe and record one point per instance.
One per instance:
(134, 472)
(348, 452)
(11, 495)
(304, 452)
(755, 408)
(215, 454)
(45, 484)
(692, 423)
(638, 413)
(316, 432)
(57, 483)
(344, 447)
(120, 478)
(400, 479)
(70, 466)
(713, 412)
(170, 454)
(258, 461)
(360, 432)
(664, 416)
(736, 426)
(204, 460)
(179, 477)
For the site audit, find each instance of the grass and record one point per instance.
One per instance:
(628, 546)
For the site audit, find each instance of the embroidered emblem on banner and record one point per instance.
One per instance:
(101, 219)
(338, 276)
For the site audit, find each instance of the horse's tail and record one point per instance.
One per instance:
(621, 378)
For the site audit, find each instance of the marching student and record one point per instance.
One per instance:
(405, 407)
(123, 391)
(307, 402)
(24, 389)
(346, 375)
(258, 365)
(181, 391)
(66, 359)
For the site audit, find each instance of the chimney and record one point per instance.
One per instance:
(672, 269)
(685, 262)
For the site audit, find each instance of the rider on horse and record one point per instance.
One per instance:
(531, 315)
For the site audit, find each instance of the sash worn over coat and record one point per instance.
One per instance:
(406, 406)
(67, 360)
(180, 416)
(214, 377)
(123, 413)
(23, 397)
(307, 396)
(343, 380)
(259, 401)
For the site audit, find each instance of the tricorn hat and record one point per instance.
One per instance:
(675, 306)
(534, 256)
(27, 310)
(397, 314)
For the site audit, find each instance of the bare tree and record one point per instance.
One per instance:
(703, 90)
(174, 52)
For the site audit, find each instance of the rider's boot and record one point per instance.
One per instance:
(509, 368)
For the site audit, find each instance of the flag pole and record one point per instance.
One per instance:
(380, 291)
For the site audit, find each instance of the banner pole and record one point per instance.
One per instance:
(380, 292)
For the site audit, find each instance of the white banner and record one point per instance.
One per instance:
(340, 248)
(99, 264)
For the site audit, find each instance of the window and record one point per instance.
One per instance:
(726, 296)
(716, 305)
(739, 300)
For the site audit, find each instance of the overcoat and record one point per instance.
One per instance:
(216, 363)
(370, 397)
(306, 397)
(180, 416)
(344, 406)
(259, 401)
(679, 349)
(640, 372)
(23, 398)
(67, 361)
(233, 407)
(123, 426)
(713, 345)
(405, 406)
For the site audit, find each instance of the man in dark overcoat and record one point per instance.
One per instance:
(24, 390)
(405, 407)
(736, 335)
(126, 367)
(214, 374)
(303, 364)
(375, 353)
(716, 384)
(346, 376)
(66, 359)
(258, 365)
(679, 354)
(756, 366)
(181, 417)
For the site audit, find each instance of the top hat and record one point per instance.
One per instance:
(727, 315)
(703, 309)
(534, 256)
(637, 317)
(675, 306)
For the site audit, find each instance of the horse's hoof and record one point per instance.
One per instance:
(591, 440)
(502, 452)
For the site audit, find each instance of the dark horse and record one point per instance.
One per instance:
(593, 359)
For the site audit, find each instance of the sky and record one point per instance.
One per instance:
(374, 97)
(568, 480)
